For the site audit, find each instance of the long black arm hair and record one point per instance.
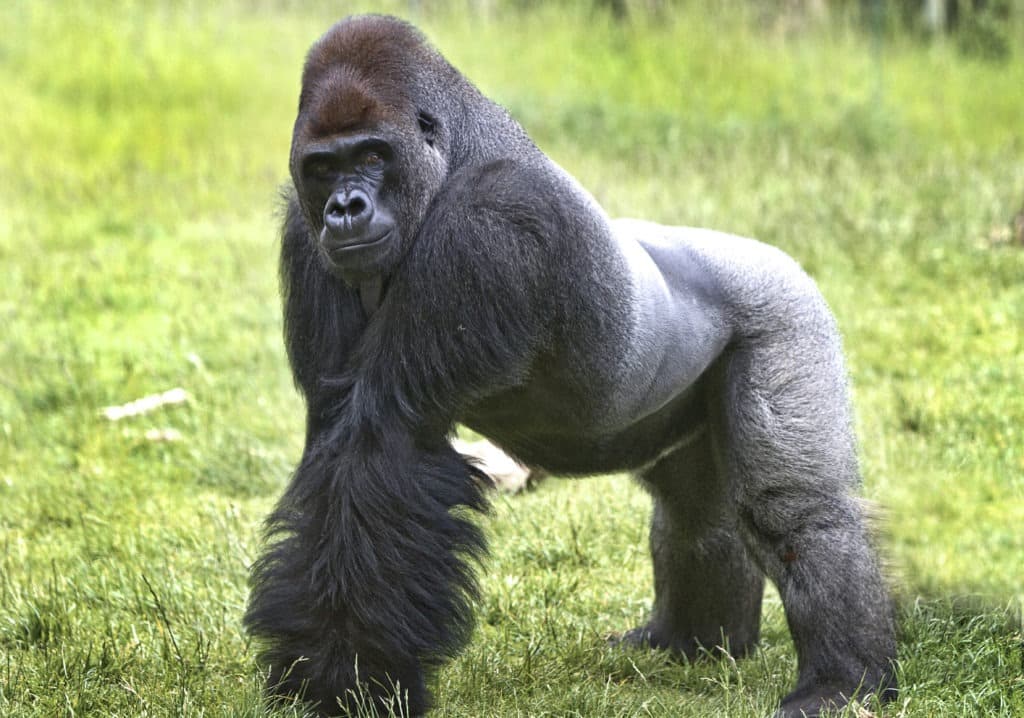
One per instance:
(369, 567)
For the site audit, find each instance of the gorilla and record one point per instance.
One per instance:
(437, 267)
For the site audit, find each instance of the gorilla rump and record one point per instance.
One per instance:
(438, 268)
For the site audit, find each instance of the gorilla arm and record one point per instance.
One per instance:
(367, 579)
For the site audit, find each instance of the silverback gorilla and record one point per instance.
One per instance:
(437, 267)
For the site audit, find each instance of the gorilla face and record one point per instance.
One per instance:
(365, 162)
(343, 180)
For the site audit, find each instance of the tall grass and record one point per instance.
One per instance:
(142, 147)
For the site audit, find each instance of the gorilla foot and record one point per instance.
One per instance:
(651, 637)
(815, 700)
(645, 638)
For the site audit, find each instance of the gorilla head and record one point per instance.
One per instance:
(368, 151)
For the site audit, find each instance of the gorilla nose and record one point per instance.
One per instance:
(348, 214)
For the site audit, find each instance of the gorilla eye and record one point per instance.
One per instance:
(320, 168)
(372, 159)
(428, 126)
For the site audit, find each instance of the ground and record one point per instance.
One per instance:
(139, 169)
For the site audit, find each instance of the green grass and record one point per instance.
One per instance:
(142, 147)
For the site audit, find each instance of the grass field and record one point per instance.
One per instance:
(141, 148)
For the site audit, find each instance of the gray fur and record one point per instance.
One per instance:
(731, 355)
(502, 296)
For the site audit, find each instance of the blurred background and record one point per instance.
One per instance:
(142, 150)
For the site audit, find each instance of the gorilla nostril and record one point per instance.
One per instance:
(356, 206)
(348, 214)
(334, 215)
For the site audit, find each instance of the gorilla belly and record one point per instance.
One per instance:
(568, 445)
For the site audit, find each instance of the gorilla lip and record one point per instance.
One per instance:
(338, 249)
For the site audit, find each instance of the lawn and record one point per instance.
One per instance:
(143, 147)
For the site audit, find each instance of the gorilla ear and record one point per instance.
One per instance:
(428, 126)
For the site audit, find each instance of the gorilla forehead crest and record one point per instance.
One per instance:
(359, 75)
(342, 101)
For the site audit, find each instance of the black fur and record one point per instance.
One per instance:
(437, 267)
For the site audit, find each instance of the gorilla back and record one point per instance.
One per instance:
(437, 267)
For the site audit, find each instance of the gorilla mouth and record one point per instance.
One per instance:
(339, 251)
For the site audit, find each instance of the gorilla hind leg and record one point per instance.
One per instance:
(784, 435)
(707, 590)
